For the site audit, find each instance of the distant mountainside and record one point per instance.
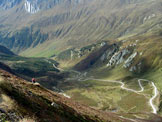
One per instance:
(44, 28)
(34, 6)
(4, 50)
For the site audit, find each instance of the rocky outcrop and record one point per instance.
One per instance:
(125, 56)
(128, 62)
(118, 57)
(109, 53)
(31, 7)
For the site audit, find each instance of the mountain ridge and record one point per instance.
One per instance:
(81, 24)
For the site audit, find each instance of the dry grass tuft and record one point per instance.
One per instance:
(7, 102)
(27, 120)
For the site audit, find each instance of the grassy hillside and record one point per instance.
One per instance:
(35, 103)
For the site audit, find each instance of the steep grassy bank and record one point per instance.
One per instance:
(48, 106)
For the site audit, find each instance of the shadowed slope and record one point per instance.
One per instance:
(4, 50)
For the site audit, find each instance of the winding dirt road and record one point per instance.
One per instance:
(151, 100)
(57, 68)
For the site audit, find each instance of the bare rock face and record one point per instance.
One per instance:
(31, 7)
(109, 53)
(128, 62)
(118, 57)
(34, 6)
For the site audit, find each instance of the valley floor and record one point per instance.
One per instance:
(133, 96)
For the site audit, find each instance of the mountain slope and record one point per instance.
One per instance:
(4, 50)
(65, 25)
(46, 105)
